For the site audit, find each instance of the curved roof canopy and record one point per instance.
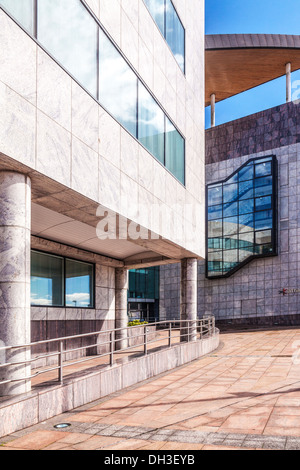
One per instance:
(239, 62)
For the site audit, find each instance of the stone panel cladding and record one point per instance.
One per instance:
(251, 296)
(273, 128)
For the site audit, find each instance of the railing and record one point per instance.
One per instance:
(169, 332)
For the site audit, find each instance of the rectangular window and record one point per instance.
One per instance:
(175, 35)
(175, 152)
(170, 26)
(69, 33)
(79, 284)
(117, 85)
(60, 282)
(47, 284)
(22, 11)
(157, 10)
(151, 124)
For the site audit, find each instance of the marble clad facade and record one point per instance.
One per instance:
(78, 158)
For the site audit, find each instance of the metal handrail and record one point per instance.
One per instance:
(205, 326)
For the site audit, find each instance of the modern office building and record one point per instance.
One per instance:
(101, 160)
(251, 273)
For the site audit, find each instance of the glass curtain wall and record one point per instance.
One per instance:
(241, 217)
(74, 38)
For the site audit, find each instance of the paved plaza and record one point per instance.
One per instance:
(245, 395)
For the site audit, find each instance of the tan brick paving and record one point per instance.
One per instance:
(244, 396)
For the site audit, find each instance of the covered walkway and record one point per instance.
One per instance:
(246, 395)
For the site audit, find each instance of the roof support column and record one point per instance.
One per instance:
(288, 82)
(15, 226)
(121, 318)
(188, 300)
(213, 110)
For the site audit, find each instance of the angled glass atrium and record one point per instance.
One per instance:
(241, 217)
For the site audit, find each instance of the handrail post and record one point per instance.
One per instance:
(188, 331)
(61, 352)
(112, 344)
(201, 329)
(170, 334)
(145, 341)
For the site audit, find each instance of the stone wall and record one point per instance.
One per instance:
(261, 132)
(251, 296)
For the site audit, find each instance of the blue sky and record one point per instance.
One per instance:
(252, 16)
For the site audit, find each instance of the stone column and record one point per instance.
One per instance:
(15, 227)
(188, 299)
(121, 308)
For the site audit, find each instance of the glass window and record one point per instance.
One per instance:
(263, 186)
(241, 227)
(157, 10)
(230, 209)
(246, 223)
(167, 20)
(215, 212)
(263, 238)
(215, 195)
(246, 239)
(175, 152)
(215, 228)
(246, 206)
(230, 226)
(246, 173)
(151, 125)
(47, 286)
(230, 193)
(215, 244)
(263, 220)
(246, 190)
(79, 284)
(60, 282)
(117, 85)
(263, 169)
(263, 203)
(70, 34)
(175, 35)
(231, 243)
(68, 31)
(22, 11)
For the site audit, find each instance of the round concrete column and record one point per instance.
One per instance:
(188, 299)
(121, 308)
(15, 226)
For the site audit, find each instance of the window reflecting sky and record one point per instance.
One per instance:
(240, 217)
(69, 32)
(22, 10)
(117, 85)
